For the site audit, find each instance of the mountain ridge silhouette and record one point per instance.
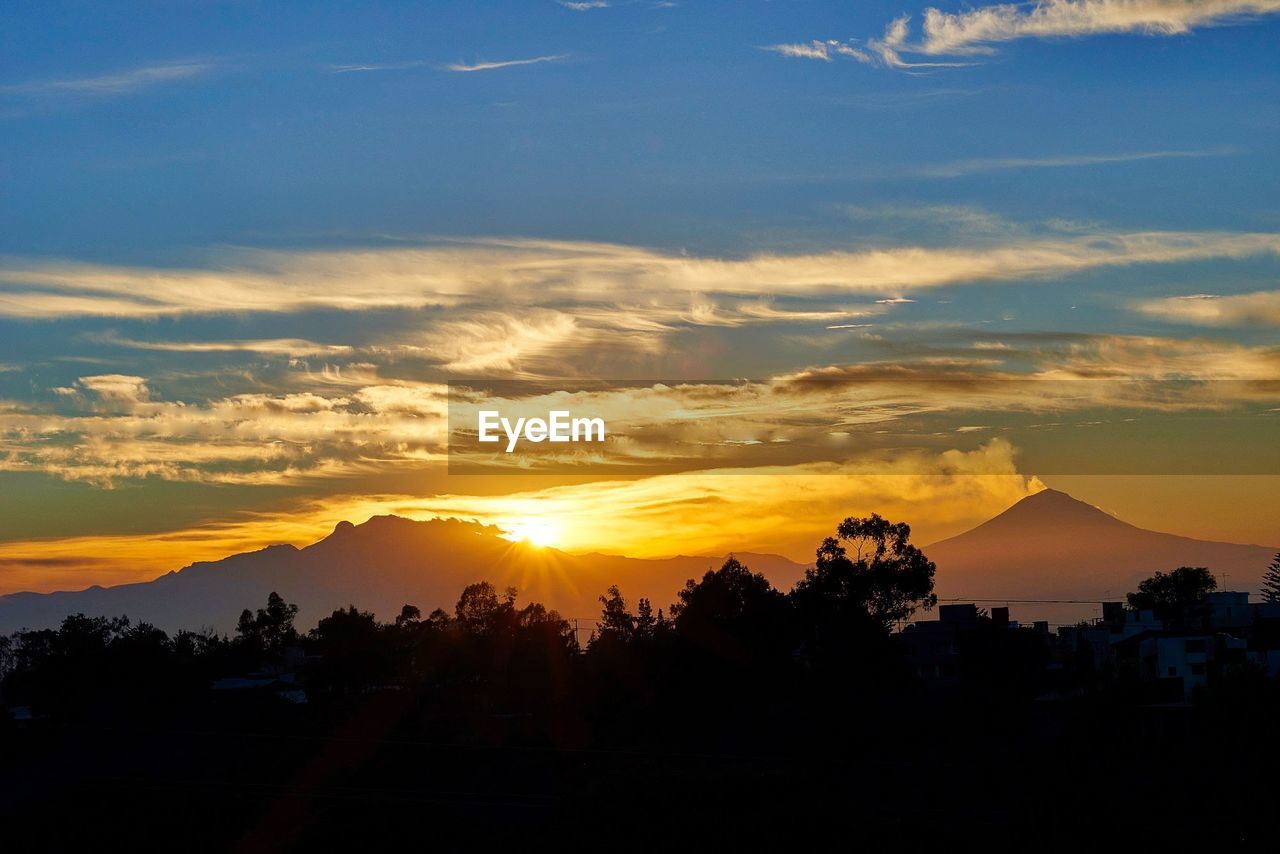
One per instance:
(1048, 545)
(379, 566)
(1051, 545)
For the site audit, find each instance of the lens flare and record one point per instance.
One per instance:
(536, 531)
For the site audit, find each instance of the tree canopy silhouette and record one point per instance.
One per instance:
(884, 580)
(732, 612)
(617, 625)
(481, 611)
(353, 649)
(105, 666)
(1179, 598)
(1271, 581)
(271, 629)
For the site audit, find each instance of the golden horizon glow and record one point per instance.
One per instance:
(539, 531)
(783, 511)
(780, 510)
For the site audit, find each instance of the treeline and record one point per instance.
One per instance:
(737, 711)
(727, 637)
(729, 627)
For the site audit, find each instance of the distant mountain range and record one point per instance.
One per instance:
(379, 566)
(1052, 546)
(1047, 546)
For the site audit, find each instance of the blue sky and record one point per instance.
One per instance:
(215, 213)
(661, 125)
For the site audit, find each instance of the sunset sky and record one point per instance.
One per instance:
(245, 247)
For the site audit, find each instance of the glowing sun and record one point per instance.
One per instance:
(536, 531)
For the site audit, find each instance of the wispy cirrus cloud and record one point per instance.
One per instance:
(364, 68)
(111, 84)
(374, 67)
(885, 51)
(294, 347)
(818, 49)
(105, 428)
(118, 429)
(634, 286)
(486, 343)
(584, 5)
(1125, 357)
(113, 427)
(117, 389)
(974, 32)
(975, 166)
(1260, 308)
(505, 63)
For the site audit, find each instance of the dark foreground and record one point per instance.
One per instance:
(744, 716)
(388, 768)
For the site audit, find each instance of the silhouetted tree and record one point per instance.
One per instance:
(194, 649)
(536, 614)
(1271, 582)
(409, 615)
(885, 580)
(732, 612)
(439, 618)
(617, 624)
(106, 667)
(646, 624)
(481, 611)
(271, 629)
(354, 653)
(1179, 598)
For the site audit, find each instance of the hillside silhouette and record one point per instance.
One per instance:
(381, 564)
(1050, 545)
